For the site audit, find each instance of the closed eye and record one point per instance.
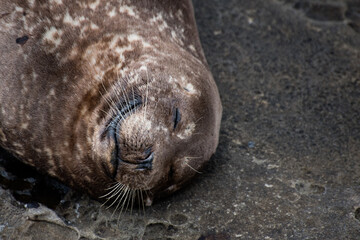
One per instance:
(176, 117)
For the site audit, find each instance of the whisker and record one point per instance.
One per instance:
(122, 87)
(108, 101)
(198, 133)
(132, 200)
(190, 165)
(199, 119)
(147, 92)
(119, 85)
(118, 190)
(117, 193)
(112, 195)
(142, 201)
(122, 200)
(133, 94)
(126, 201)
(114, 187)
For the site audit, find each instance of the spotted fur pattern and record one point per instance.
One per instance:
(65, 66)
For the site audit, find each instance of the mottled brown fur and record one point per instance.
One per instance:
(58, 87)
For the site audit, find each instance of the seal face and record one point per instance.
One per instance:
(107, 93)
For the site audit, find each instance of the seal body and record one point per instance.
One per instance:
(97, 93)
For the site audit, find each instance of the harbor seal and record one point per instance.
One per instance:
(106, 94)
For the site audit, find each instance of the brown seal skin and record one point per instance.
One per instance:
(96, 93)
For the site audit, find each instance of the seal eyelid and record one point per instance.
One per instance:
(176, 117)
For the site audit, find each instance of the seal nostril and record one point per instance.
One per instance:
(145, 164)
(142, 164)
(149, 159)
(147, 152)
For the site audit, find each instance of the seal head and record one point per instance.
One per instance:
(162, 133)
